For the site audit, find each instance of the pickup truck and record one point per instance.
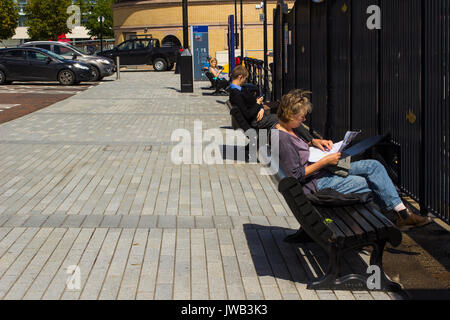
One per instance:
(144, 51)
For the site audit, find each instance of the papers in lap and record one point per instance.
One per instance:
(316, 154)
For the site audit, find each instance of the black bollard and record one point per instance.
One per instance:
(177, 64)
(187, 76)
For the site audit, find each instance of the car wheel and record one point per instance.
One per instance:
(95, 74)
(160, 64)
(100, 79)
(2, 77)
(66, 78)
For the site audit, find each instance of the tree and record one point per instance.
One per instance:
(9, 18)
(47, 19)
(100, 8)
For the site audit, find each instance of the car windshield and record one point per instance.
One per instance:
(77, 49)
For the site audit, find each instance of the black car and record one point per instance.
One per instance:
(34, 64)
(144, 51)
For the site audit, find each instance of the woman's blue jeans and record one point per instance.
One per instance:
(364, 176)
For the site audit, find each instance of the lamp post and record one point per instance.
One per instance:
(185, 25)
(100, 19)
(235, 22)
(266, 58)
(185, 60)
(242, 32)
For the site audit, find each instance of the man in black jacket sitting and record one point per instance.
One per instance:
(258, 114)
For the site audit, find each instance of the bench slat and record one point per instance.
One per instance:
(359, 219)
(349, 222)
(348, 233)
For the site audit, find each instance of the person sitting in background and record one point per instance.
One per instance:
(221, 80)
(216, 72)
(364, 176)
(258, 114)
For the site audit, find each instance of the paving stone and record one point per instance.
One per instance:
(92, 221)
(147, 222)
(204, 222)
(186, 222)
(167, 222)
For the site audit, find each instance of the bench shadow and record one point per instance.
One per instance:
(301, 263)
(235, 153)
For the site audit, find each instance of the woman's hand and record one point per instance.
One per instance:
(260, 115)
(332, 159)
(323, 145)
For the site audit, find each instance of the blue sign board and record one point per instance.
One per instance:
(231, 43)
(200, 50)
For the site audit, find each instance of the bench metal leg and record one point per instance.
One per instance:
(376, 259)
(355, 281)
(329, 280)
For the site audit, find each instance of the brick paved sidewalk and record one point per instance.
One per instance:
(89, 182)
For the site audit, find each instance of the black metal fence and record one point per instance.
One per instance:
(255, 69)
(389, 80)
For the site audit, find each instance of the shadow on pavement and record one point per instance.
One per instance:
(172, 88)
(303, 263)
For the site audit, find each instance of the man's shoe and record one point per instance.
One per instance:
(412, 221)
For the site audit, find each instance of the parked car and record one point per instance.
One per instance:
(35, 64)
(144, 51)
(101, 67)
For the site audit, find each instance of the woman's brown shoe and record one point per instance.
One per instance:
(412, 221)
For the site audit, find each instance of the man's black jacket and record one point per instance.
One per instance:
(245, 100)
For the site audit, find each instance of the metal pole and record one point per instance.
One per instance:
(185, 25)
(266, 58)
(101, 34)
(235, 22)
(118, 68)
(242, 31)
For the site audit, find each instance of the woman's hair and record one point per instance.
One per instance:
(239, 70)
(293, 104)
(212, 60)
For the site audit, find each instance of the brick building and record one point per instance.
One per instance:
(163, 18)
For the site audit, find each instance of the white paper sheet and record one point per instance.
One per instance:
(316, 154)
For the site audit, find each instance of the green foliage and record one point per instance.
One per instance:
(47, 19)
(99, 8)
(9, 18)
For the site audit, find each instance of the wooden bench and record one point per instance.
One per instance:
(339, 230)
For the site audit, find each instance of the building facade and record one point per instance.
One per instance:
(163, 18)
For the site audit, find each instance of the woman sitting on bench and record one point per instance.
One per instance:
(364, 176)
(222, 79)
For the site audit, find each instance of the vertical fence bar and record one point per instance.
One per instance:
(319, 67)
(303, 45)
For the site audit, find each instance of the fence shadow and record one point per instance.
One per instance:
(300, 263)
(428, 236)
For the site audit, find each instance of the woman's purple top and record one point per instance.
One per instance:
(294, 155)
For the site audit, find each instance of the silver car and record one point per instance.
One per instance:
(101, 67)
